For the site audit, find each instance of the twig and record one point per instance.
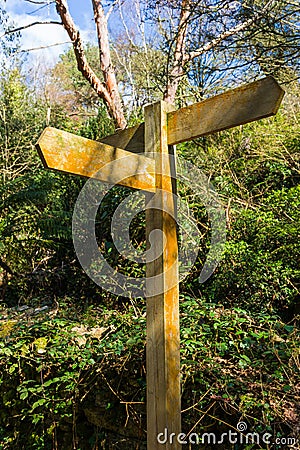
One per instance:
(203, 415)
(42, 47)
(24, 27)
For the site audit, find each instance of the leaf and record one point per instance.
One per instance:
(12, 368)
(40, 344)
(49, 382)
(287, 388)
(24, 395)
(246, 358)
(40, 402)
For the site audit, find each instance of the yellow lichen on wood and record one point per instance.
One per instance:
(162, 287)
(236, 107)
(74, 154)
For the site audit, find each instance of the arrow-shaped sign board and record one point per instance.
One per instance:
(67, 152)
(238, 106)
(74, 154)
(242, 105)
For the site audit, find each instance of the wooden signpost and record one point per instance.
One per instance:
(163, 128)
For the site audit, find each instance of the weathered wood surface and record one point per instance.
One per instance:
(131, 139)
(236, 107)
(74, 154)
(163, 341)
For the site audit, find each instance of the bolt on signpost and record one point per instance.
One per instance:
(152, 170)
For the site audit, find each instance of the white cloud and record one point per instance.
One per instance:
(45, 36)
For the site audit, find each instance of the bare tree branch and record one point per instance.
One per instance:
(231, 32)
(179, 54)
(106, 64)
(181, 58)
(39, 3)
(108, 90)
(24, 27)
(124, 24)
(42, 47)
(109, 12)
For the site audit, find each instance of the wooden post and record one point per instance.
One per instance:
(163, 341)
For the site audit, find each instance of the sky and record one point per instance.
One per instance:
(22, 12)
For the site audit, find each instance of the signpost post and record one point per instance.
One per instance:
(155, 172)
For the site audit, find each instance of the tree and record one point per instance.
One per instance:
(239, 331)
(9, 41)
(237, 35)
(34, 210)
(208, 37)
(107, 90)
(67, 86)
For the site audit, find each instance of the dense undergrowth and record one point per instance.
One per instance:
(73, 379)
(72, 359)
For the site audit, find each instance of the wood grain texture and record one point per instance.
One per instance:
(131, 139)
(236, 107)
(163, 341)
(74, 154)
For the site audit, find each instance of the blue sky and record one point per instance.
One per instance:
(23, 13)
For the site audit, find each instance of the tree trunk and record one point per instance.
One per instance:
(106, 64)
(177, 70)
(108, 90)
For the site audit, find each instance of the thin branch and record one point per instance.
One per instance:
(39, 3)
(109, 12)
(231, 32)
(218, 40)
(38, 9)
(125, 25)
(42, 47)
(15, 30)
(104, 90)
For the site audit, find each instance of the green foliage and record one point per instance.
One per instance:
(48, 368)
(237, 366)
(260, 268)
(97, 126)
(76, 91)
(141, 77)
(70, 377)
(141, 73)
(35, 205)
(18, 126)
(255, 170)
(72, 363)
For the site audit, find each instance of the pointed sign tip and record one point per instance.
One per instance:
(280, 93)
(247, 103)
(39, 147)
(67, 152)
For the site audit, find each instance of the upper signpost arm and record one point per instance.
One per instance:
(236, 107)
